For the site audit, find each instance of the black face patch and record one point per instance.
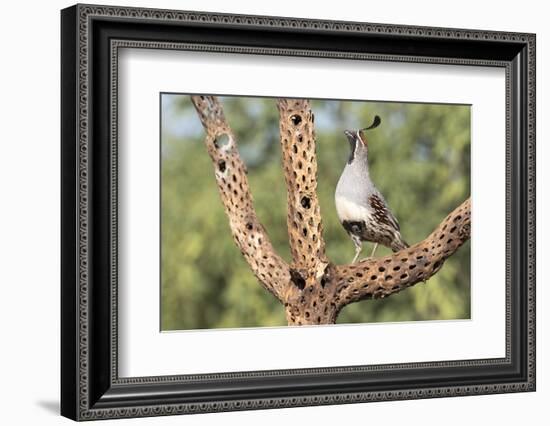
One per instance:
(351, 157)
(352, 139)
(354, 227)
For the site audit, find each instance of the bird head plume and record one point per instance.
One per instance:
(358, 140)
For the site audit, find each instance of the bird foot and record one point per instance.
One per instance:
(366, 258)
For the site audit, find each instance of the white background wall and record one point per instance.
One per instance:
(29, 211)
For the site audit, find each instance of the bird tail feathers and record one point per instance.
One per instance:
(399, 244)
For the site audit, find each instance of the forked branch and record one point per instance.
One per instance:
(312, 289)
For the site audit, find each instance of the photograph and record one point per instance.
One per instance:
(268, 210)
(265, 198)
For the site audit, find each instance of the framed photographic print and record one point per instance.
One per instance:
(263, 212)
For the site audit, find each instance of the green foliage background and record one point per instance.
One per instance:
(419, 159)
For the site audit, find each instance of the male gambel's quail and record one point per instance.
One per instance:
(361, 208)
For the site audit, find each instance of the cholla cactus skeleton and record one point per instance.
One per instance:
(312, 289)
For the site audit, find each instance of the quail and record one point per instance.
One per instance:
(361, 208)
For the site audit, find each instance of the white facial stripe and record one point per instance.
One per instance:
(361, 141)
(358, 144)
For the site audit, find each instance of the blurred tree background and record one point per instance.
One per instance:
(419, 159)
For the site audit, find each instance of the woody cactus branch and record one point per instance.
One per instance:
(312, 289)
(384, 276)
(305, 228)
(248, 233)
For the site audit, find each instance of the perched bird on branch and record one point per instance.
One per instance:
(361, 208)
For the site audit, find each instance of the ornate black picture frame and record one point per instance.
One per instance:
(90, 385)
